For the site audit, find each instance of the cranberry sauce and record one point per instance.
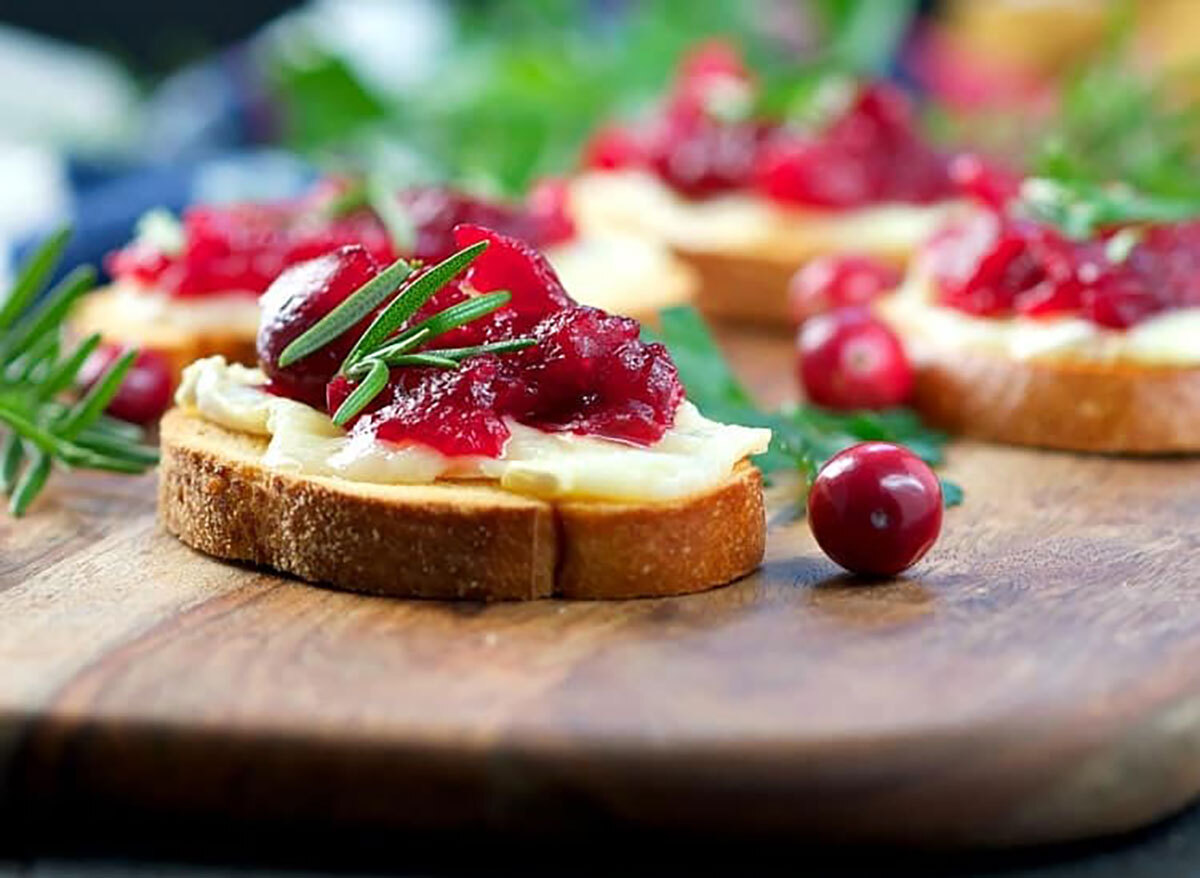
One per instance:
(244, 247)
(994, 264)
(706, 140)
(588, 372)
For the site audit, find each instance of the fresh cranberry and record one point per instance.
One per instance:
(849, 359)
(838, 281)
(300, 297)
(146, 391)
(611, 148)
(875, 508)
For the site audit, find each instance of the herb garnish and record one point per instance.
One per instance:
(38, 427)
(803, 436)
(1082, 209)
(1121, 150)
(381, 347)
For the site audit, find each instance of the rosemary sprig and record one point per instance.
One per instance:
(387, 343)
(38, 427)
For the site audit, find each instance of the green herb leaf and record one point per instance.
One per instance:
(32, 276)
(11, 459)
(47, 316)
(88, 409)
(63, 374)
(458, 314)
(369, 388)
(337, 322)
(496, 347)
(42, 426)
(952, 493)
(30, 484)
(409, 301)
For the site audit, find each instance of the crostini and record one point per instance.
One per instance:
(465, 430)
(189, 289)
(747, 195)
(1020, 334)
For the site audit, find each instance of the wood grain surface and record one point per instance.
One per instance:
(1036, 678)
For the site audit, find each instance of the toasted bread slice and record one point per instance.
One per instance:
(1072, 405)
(447, 540)
(101, 312)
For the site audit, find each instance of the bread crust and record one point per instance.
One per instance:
(751, 286)
(100, 312)
(1072, 405)
(447, 540)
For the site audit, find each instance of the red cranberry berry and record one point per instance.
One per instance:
(829, 282)
(850, 359)
(146, 391)
(875, 508)
(297, 299)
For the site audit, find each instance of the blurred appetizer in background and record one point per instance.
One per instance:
(747, 190)
(188, 289)
(1059, 317)
(465, 430)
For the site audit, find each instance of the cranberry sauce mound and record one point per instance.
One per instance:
(588, 372)
(707, 139)
(995, 264)
(244, 247)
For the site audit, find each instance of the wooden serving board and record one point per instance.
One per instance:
(1036, 678)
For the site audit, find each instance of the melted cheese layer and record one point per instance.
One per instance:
(1170, 339)
(695, 455)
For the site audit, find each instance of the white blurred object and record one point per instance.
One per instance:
(36, 195)
(57, 94)
(392, 45)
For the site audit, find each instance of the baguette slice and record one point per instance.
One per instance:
(101, 312)
(447, 540)
(1066, 404)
